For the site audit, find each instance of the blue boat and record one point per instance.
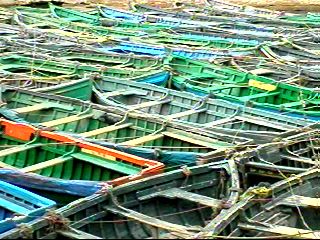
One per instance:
(18, 206)
(162, 51)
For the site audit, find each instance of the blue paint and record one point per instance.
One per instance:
(17, 201)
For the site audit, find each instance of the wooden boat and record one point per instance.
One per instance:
(45, 65)
(79, 53)
(286, 209)
(203, 79)
(131, 45)
(19, 206)
(173, 39)
(80, 160)
(173, 204)
(305, 53)
(74, 15)
(159, 12)
(61, 191)
(118, 14)
(207, 114)
(238, 27)
(294, 74)
(65, 85)
(144, 135)
(96, 19)
(291, 152)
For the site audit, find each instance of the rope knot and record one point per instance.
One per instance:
(25, 231)
(105, 188)
(186, 171)
(56, 221)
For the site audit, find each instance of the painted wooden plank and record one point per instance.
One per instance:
(259, 122)
(117, 166)
(185, 113)
(258, 95)
(14, 207)
(4, 165)
(17, 149)
(125, 92)
(301, 201)
(32, 108)
(72, 233)
(98, 154)
(105, 130)
(65, 120)
(45, 164)
(260, 71)
(282, 230)
(150, 104)
(189, 139)
(171, 227)
(182, 194)
(141, 140)
(220, 122)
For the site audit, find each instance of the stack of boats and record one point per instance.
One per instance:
(190, 122)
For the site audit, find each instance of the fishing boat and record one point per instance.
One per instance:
(229, 24)
(20, 206)
(134, 43)
(203, 78)
(61, 191)
(55, 155)
(286, 209)
(96, 19)
(183, 40)
(118, 14)
(85, 55)
(294, 74)
(143, 135)
(45, 65)
(304, 53)
(159, 12)
(65, 85)
(174, 204)
(292, 152)
(202, 112)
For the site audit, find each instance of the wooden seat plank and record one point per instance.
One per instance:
(281, 230)
(141, 140)
(45, 164)
(182, 194)
(171, 227)
(65, 120)
(105, 130)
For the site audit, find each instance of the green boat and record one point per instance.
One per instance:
(55, 155)
(143, 135)
(293, 74)
(207, 114)
(204, 79)
(65, 85)
(44, 65)
(95, 19)
(176, 204)
(87, 56)
(286, 209)
(187, 40)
